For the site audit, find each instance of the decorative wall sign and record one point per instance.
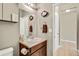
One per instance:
(31, 17)
(45, 28)
(44, 13)
(30, 28)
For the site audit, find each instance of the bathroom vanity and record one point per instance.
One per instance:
(38, 48)
(31, 45)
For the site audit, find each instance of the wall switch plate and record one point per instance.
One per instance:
(50, 30)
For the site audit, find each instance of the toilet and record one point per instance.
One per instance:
(6, 52)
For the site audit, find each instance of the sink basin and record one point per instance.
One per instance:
(31, 41)
(34, 39)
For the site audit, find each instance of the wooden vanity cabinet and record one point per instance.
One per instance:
(23, 46)
(37, 50)
(40, 52)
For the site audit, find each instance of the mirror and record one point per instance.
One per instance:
(25, 29)
(27, 18)
(24, 20)
(27, 24)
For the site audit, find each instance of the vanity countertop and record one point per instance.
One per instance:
(32, 43)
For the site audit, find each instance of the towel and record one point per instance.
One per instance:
(24, 51)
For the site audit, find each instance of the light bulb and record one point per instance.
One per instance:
(67, 10)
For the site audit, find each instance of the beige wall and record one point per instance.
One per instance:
(75, 20)
(68, 26)
(68, 23)
(40, 20)
(9, 35)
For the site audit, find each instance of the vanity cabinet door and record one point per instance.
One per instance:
(7, 11)
(10, 11)
(37, 53)
(43, 51)
(15, 12)
(0, 11)
(40, 52)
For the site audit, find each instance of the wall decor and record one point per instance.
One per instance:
(45, 28)
(31, 18)
(44, 13)
(30, 28)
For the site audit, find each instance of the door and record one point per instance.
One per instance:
(43, 51)
(37, 53)
(0, 11)
(10, 10)
(7, 11)
(14, 12)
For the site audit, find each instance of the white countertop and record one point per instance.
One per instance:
(32, 42)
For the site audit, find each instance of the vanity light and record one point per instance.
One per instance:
(28, 7)
(71, 9)
(32, 6)
(28, 3)
(67, 10)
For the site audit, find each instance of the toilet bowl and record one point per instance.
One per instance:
(6, 52)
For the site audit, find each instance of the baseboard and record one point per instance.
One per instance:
(54, 50)
(68, 41)
(57, 48)
(74, 42)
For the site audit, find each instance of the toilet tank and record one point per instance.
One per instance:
(6, 52)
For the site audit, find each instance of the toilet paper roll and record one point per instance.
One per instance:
(24, 51)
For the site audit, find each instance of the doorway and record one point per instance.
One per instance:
(56, 32)
(65, 30)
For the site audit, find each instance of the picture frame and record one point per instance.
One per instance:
(44, 13)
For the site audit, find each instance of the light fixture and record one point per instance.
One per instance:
(32, 5)
(67, 10)
(28, 3)
(71, 9)
(28, 7)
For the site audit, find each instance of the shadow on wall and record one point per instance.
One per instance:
(9, 35)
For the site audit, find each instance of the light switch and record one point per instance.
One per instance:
(50, 30)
